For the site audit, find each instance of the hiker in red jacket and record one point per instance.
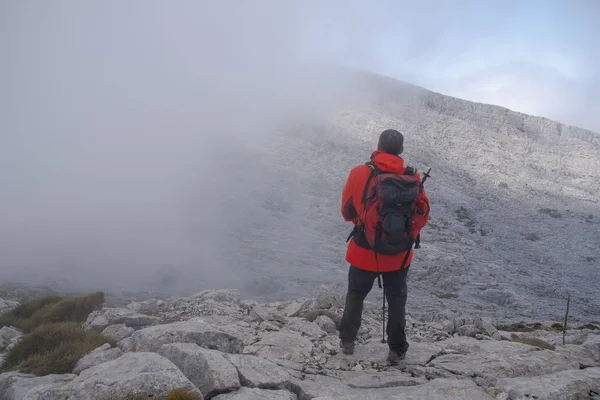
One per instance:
(359, 205)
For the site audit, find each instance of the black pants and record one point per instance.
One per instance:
(360, 283)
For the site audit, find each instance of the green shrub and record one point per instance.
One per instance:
(52, 348)
(520, 327)
(557, 326)
(72, 309)
(62, 359)
(589, 326)
(533, 342)
(19, 316)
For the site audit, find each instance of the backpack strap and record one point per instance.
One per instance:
(374, 172)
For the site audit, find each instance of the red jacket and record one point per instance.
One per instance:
(352, 208)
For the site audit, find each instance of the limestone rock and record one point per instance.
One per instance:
(195, 330)
(592, 343)
(584, 355)
(126, 344)
(500, 359)
(7, 305)
(8, 335)
(467, 330)
(259, 372)
(142, 373)
(220, 296)
(257, 394)
(563, 385)
(18, 386)
(437, 389)
(485, 326)
(101, 319)
(284, 344)
(259, 313)
(326, 324)
(268, 326)
(148, 307)
(307, 328)
(328, 297)
(118, 332)
(209, 370)
(376, 380)
(98, 356)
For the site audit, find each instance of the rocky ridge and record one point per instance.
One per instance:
(222, 347)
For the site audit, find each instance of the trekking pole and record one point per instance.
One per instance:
(383, 315)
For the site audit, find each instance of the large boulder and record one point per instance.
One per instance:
(97, 356)
(141, 373)
(259, 372)
(148, 307)
(437, 389)
(209, 370)
(329, 297)
(101, 319)
(8, 335)
(326, 324)
(500, 359)
(118, 332)
(18, 386)
(284, 345)
(195, 330)
(307, 328)
(563, 385)
(257, 394)
(7, 305)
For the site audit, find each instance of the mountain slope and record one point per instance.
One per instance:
(515, 216)
(515, 208)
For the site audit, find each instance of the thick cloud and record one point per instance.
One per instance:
(117, 116)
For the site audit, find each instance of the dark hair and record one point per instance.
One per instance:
(391, 141)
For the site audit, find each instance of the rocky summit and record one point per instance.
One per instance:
(218, 346)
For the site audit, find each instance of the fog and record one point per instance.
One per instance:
(134, 134)
(131, 134)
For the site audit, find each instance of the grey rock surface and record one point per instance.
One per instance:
(500, 359)
(259, 372)
(286, 345)
(195, 330)
(563, 385)
(209, 370)
(257, 394)
(96, 357)
(118, 332)
(7, 305)
(326, 324)
(101, 319)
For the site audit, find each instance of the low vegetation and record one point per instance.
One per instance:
(538, 326)
(533, 342)
(54, 338)
(176, 394)
(464, 217)
(49, 309)
(446, 295)
(19, 316)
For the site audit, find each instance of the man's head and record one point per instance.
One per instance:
(391, 141)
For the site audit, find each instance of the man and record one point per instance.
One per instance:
(365, 263)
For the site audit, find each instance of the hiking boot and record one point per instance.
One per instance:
(347, 347)
(394, 358)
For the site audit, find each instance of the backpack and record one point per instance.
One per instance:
(389, 205)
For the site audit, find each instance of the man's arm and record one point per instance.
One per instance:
(348, 210)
